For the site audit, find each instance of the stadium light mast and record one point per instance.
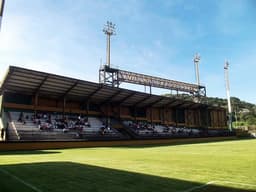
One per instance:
(1, 11)
(196, 62)
(226, 66)
(109, 29)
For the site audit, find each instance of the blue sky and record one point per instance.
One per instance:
(155, 37)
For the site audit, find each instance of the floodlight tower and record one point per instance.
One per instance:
(109, 29)
(196, 62)
(199, 93)
(226, 66)
(107, 75)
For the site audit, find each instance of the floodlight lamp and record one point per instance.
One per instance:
(109, 28)
(226, 65)
(197, 58)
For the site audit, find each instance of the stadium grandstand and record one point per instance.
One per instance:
(39, 106)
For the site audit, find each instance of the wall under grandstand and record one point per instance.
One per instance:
(6, 146)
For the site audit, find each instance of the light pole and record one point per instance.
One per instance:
(226, 66)
(109, 29)
(196, 62)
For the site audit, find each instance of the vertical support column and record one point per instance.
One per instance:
(187, 123)
(176, 116)
(219, 119)
(119, 111)
(135, 113)
(87, 108)
(151, 115)
(207, 118)
(64, 107)
(164, 116)
(35, 103)
(199, 118)
(108, 114)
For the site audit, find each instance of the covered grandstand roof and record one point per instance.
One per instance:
(33, 82)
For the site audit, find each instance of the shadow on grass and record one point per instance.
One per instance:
(32, 152)
(67, 176)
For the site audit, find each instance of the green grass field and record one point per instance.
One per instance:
(228, 166)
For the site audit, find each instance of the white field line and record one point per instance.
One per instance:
(21, 181)
(198, 187)
(211, 182)
(237, 183)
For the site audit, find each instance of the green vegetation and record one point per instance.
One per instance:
(229, 166)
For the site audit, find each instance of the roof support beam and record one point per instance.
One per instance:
(41, 84)
(69, 89)
(110, 98)
(155, 102)
(169, 104)
(140, 101)
(179, 105)
(88, 97)
(127, 97)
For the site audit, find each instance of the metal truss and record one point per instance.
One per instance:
(114, 77)
(108, 76)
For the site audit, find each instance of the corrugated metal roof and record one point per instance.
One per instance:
(45, 84)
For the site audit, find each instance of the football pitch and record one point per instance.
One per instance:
(228, 166)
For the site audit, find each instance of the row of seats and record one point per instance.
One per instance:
(147, 129)
(46, 126)
(53, 126)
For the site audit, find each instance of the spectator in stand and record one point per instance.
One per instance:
(87, 124)
(103, 130)
(2, 133)
(174, 130)
(190, 132)
(21, 117)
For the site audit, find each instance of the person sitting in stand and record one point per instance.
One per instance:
(87, 124)
(20, 119)
(102, 130)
